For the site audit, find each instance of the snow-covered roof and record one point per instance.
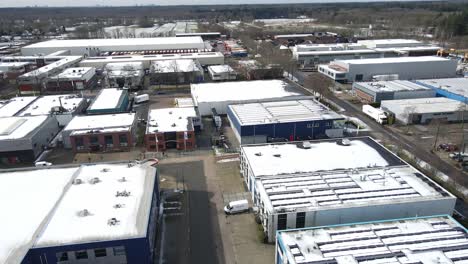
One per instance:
(346, 188)
(282, 112)
(453, 85)
(335, 52)
(99, 122)
(124, 66)
(141, 58)
(6, 66)
(98, 195)
(220, 68)
(75, 73)
(436, 239)
(171, 66)
(286, 158)
(46, 209)
(54, 66)
(14, 105)
(16, 127)
(424, 105)
(176, 119)
(29, 198)
(394, 60)
(108, 98)
(244, 90)
(44, 104)
(391, 86)
(184, 102)
(116, 42)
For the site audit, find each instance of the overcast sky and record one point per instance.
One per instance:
(22, 3)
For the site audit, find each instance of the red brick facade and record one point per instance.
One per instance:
(163, 143)
(364, 96)
(101, 142)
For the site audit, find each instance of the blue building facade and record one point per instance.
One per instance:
(138, 250)
(440, 92)
(281, 131)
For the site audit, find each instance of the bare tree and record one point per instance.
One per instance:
(436, 128)
(318, 83)
(408, 116)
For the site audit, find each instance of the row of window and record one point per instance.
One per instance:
(161, 146)
(83, 254)
(152, 138)
(108, 140)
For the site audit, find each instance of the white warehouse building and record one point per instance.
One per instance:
(436, 239)
(403, 68)
(221, 94)
(423, 110)
(315, 183)
(93, 47)
(378, 91)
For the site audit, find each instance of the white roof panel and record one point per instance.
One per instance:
(93, 122)
(423, 105)
(171, 119)
(107, 99)
(44, 104)
(18, 127)
(14, 105)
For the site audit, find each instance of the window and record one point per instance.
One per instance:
(300, 219)
(189, 135)
(317, 124)
(100, 252)
(160, 138)
(81, 254)
(93, 139)
(109, 140)
(152, 146)
(123, 140)
(119, 251)
(62, 256)
(188, 144)
(181, 136)
(151, 138)
(282, 221)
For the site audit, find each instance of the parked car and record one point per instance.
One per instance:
(235, 207)
(448, 147)
(458, 155)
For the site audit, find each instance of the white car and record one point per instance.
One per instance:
(42, 164)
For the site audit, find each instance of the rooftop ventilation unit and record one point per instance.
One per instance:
(84, 213)
(113, 221)
(105, 170)
(306, 145)
(117, 206)
(77, 181)
(123, 178)
(277, 155)
(258, 154)
(122, 194)
(94, 180)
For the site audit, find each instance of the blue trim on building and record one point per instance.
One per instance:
(444, 93)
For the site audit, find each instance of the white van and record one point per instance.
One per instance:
(141, 98)
(235, 207)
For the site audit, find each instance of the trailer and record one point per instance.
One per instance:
(377, 114)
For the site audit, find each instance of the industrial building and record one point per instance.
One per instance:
(23, 138)
(11, 70)
(424, 110)
(93, 213)
(328, 182)
(181, 71)
(110, 100)
(94, 47)
(171, 128)
(404, 68)
(35, 81)
(375, 92)
(72, 79)
(128, 74)
(453, 88)
(218, 96)
(283, 120)
(14, 105)
(63, 107)
(311, 55)
(95, 133)
(204, 58)
(203, 35)
(222, 73)
(434, 239)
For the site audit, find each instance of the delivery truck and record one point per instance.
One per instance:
(377, 114)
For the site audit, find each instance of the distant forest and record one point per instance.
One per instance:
(447, 19)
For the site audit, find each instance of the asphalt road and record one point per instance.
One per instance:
(190, 233)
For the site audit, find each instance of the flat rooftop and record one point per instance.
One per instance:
(220, 68)
(16, 127)
(454, 85)
(29, 196)
(108, 98)
(176, 119)
(131, 58)
(115, 42)
(46, 209)
(184, 102)
(171, 66)
(282, 112)
(336, 52)
(98, 122)
(14, 105)
(395, 60)
(244, 90)
(44, 104)
(424, 105)
(391, 86)
(124, 66)
(346, 188)
(287, 158)
(5, 66)
(438, 239)
(74, 73)
(66, 61)
(96, 193)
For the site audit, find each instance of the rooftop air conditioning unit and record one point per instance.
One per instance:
(277, 155)
(77, 181)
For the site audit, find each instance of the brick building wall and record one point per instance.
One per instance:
(168, 141)
(97, 142)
